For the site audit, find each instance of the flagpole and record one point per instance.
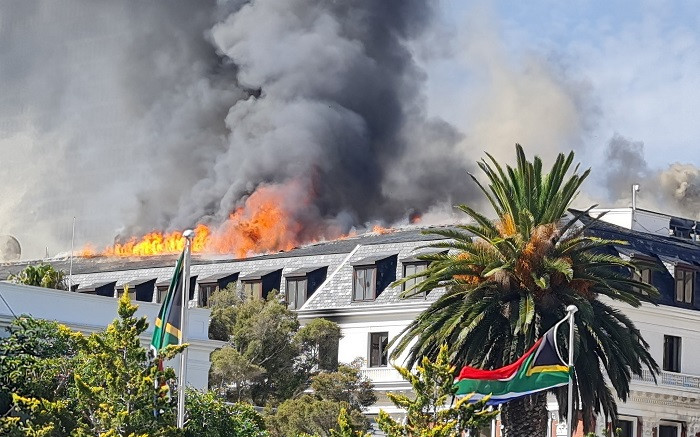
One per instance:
(571, 309)
(188, 234)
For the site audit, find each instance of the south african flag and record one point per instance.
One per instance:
(168, 323)
(541, 368)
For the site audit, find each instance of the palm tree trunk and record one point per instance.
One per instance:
(525, 417)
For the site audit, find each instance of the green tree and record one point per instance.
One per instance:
(268, 358)
(209, 416)
(318, 413)
(40, 275)
(223, 313)
(509, 280)
(344, 428)
(111, 391)
(307, 414)
(319, 341)
(430, 413)
(345, 385)
(36, 359)
(263, 337)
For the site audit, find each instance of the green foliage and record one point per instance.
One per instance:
(269, 358)
(110, 389)
(345, 385)
(319, 343)
(35, 359)
(344, 428)
(233, 374)
(40, 275)
(318, 413)
(509, 280)
(429, 414)
(223, 313)
(209, 416)
(308, 414)
(259, 363)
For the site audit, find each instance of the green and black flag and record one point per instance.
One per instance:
(168, 323)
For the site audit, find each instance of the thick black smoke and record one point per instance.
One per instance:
(340, 109)
(140, 115)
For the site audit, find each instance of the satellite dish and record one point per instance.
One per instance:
(10, 249)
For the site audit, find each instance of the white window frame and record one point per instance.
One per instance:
(685, 271)
(296, 280)
(373, 285)
(416, 281)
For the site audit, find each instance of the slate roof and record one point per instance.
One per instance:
(647, 243)
(108, 264)
(336, 292)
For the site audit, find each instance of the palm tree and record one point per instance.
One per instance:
(40, 275)
(509, 280)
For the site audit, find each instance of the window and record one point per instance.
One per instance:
(412, 269)
(672, 353)
(132, 292)
(162, 291)
(206, 290)
(378, 342)
(364, 283)
(669, 429)
(253, 288)
(684, 285)
(626, 427)
(296, 292)
(643, 275)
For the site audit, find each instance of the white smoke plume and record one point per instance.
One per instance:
(674, 190)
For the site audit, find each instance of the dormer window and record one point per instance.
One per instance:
(301, 284)
(252, 288)
(413, 264)
(211, 284)
(371, 276)
(139, 289)
(642, 275)
(364, 283)
(412, 268)
(162, 288)
(104, 288)
(260, 283)
(685, 285)
(296, 292)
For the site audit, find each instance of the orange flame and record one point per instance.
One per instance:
(262, 224)
(266, 222)
(381, 230)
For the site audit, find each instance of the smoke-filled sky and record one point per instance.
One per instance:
(133, 115)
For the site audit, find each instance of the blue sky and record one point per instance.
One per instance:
(631, 68)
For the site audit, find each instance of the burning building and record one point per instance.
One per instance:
(348, 281)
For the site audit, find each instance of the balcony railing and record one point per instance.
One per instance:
(669, 379)
(381, 374)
